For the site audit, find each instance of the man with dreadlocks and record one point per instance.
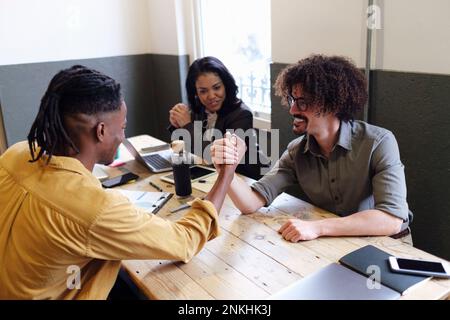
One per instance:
(55, 218)
(348, 167)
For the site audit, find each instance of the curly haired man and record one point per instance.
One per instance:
(348, 167)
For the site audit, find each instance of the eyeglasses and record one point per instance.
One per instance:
(300, 102)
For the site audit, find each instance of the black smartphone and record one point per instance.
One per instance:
(117, 181)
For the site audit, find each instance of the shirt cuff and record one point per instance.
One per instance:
(398, 213)
(210, 209)
(259, 187)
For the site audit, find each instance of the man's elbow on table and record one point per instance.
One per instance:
(198, 226)
(248, 209)
(395, 224)
(389, 224)
(245, 199)
(189, 249)
(251, 205)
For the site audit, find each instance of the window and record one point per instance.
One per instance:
(238, 33)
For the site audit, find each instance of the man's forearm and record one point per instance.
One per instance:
(243, 197)
(220, 187)
(364, 223)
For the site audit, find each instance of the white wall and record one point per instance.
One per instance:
(303, 27)
(415, 36)
(52, 30)
(162, 26)
(171, 26)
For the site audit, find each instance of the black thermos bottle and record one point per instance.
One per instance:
(181, 174)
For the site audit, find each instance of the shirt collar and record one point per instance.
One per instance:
(345, 135)
(311, 146)
(69, 164)
(344, 140)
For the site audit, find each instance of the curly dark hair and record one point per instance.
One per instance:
(333, 83)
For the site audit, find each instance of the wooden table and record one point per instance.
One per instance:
(250, 260)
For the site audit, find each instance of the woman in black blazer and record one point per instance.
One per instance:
(214, 105)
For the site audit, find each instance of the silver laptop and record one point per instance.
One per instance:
(335, 282)
(155, 159)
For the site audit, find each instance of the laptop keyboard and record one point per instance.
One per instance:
(157, 162)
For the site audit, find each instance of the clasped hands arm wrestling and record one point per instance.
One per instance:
(231, 149)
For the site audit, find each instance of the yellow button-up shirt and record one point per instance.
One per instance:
(56, 219)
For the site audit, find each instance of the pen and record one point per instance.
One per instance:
(182, 207)
(156, 186)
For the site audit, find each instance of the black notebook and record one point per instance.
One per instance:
(360, 260)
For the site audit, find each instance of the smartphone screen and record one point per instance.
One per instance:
(117, 181)
(418, 265)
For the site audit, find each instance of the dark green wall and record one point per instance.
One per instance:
(151, 84)
(168, 78)
(280, 117)
(416, 108)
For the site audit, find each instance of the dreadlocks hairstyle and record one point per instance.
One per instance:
(213, 65)
(333, 83)
(77, 90)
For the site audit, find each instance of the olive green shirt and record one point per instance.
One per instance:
(363, 172)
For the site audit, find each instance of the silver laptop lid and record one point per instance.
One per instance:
(335, 282)
(148, 160)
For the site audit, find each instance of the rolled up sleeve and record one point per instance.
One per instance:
(388, 182)
(279, 178)
(124, 231)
